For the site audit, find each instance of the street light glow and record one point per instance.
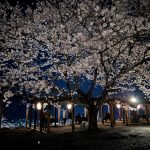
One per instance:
(138, 106)
(133, 99)
(118, 105)
(69, 106)
(39, 106)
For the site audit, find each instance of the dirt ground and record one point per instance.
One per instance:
(133, 137)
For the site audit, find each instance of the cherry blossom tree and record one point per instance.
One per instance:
(74, 39)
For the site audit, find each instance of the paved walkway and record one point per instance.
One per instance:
(121, 137)
(68, 128)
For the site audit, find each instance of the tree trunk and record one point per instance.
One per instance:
(147, 115)
(127, 117)
(0, 113)
(123, 115)
(92, 119)
(112, 113)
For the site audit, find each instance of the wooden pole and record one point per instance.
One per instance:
(102, 113)
(27, 113)
(55, 110)
(41, 117)
(30, 115)
(48, 118)
(114, 113)
(35, 116)
(123, 115)
(73, 126)
(1, 112)
(59, 107)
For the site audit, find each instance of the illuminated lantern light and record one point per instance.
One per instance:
(118, 105)
(69, 106)
(39, 106)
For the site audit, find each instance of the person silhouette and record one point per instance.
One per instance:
(78, 119)
(64, 116)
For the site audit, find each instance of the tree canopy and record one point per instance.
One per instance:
(68, 40)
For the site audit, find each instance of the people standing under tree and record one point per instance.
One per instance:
(107, 117)
(45, 118)
(78, 119)
(42, 120)
(64, 116)
(70, 116)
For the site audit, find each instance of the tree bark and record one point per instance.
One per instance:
(123, 115)
(92, 119)
(112, 114)
(146, 112)
(127, 117)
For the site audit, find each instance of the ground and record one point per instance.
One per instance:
(132, 137)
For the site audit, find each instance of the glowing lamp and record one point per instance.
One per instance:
(69, 106)
(39, 106)
(118, 105)
(138, 106)
(133, 99)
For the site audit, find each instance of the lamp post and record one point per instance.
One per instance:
(133, 100)
(55, 109)
(138, 108)
(39, 107)
(119, 110)
(71, 108)
(73, 127)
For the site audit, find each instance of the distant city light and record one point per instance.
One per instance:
(133, 99)
(69, 106)
(138, 106)
(39, 106)
(118, 105)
